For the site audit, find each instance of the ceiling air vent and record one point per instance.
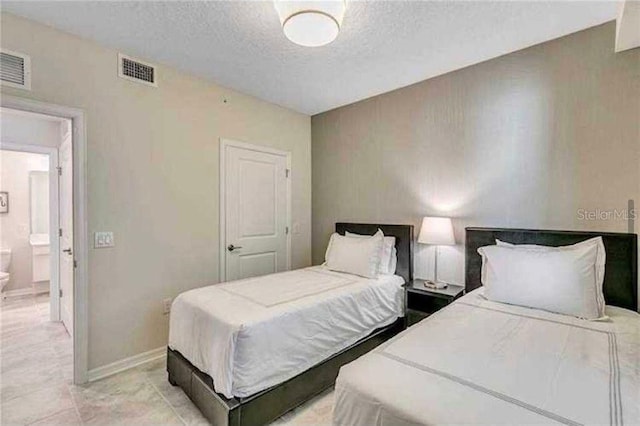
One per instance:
(138, 71)
(15, 69)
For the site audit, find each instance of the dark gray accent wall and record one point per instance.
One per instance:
(538, 138)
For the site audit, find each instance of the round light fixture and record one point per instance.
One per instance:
(311, 23)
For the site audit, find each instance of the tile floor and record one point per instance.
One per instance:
(36, 382)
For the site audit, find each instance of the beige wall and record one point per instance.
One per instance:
(524, 140)
(153, 178)
(14, 226)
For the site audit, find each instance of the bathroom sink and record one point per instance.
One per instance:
(40, 258)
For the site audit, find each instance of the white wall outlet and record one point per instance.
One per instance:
(103, 240)
(166, 303)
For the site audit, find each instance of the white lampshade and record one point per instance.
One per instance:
(311, 23)
(437, 231)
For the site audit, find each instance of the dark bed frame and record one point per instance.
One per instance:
(266, 406)
(621, 268)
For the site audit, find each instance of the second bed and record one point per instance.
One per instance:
(483, 362)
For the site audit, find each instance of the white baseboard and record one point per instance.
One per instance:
(127, 363)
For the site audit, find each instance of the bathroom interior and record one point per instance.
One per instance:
(24, 221)
(36, 204)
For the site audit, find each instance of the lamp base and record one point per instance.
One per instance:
(435, 285)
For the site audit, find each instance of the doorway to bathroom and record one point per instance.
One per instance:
(36, 222)
(37, 183)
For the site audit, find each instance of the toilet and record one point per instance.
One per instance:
(5, 261)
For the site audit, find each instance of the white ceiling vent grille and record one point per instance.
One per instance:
(15, 69)
(138, 71)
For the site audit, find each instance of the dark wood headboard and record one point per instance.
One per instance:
(621, 268)
(404, 242)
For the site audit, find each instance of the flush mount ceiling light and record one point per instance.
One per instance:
(311, 23)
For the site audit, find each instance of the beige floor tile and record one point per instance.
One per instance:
(16, 326)
(35, 406)
(185, 409)
(127, 396)
(16, 303)
(317, 411)
(156, 365)
(32, 355)
(23, 316)
(29, 366)
(18, 311)
(64, 418)
(24, 340)
(65, 363)
(20, 381)
(323, 406)
(309, 418)
(161, 415)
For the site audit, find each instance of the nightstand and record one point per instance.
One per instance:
(421, 301)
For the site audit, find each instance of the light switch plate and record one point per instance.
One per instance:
(103, 240)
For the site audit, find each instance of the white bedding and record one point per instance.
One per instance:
(481, 362)
(252, 334)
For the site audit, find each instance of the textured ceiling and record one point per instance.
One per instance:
(383, 45)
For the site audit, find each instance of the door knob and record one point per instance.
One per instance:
(231, 247)
(68, 251)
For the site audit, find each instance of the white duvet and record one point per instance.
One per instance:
(480, 362)
(249, 335)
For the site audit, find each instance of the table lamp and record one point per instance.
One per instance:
(437, 231)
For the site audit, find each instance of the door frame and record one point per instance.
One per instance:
(54, 219)
(224, 143)
(80, 224)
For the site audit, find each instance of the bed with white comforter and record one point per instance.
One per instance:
(483, 362)
(251, 334)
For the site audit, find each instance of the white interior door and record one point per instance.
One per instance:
(65, 190)
(256, 209)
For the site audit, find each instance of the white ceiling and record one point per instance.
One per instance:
(383, 45)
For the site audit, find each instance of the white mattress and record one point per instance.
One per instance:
(252, 334)
(479, 362)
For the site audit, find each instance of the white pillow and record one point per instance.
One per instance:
(393, 264)
(358, 256)
(388, 257)
(561, 281)
(601, 259)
